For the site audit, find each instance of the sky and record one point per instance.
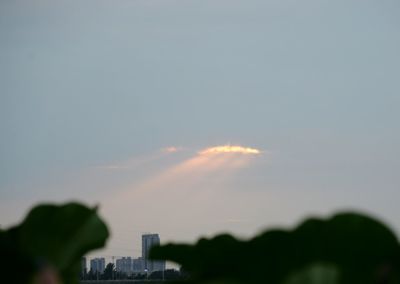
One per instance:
(115, 103)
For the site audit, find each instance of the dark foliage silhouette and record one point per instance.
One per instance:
(109, 272)
(48, 245)
(348, 248)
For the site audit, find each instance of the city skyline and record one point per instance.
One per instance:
(129, 263)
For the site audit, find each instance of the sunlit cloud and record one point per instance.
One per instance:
(221, 161)
(230, 149)
(209, 160)
(170, 149)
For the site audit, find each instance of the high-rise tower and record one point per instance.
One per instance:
(148, 241)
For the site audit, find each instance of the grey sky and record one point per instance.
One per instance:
(88, 84)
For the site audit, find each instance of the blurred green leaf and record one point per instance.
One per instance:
(54, 236)
(315, 274)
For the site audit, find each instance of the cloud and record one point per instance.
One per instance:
(223, 149)
(137, 162)
(219, 161)
(170, 149)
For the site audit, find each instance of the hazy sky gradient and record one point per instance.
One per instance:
(92, 91)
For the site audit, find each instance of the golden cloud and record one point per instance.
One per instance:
(230, 149)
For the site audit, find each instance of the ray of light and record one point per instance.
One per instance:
(220, 160)
(195, 183)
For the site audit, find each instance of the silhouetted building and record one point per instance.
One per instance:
(148, 241)
(98, 264)
(124, 265)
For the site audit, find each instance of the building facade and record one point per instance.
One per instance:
(148, 241)
(97, 265)
(124, 265)
(137, 265)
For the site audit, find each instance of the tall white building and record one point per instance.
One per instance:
(148, 241)
(98, 264)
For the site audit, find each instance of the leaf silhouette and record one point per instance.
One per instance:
(346, 248)
(51, 237)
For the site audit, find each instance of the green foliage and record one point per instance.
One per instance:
(316, 273)
(348, 248)
(51, 240)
